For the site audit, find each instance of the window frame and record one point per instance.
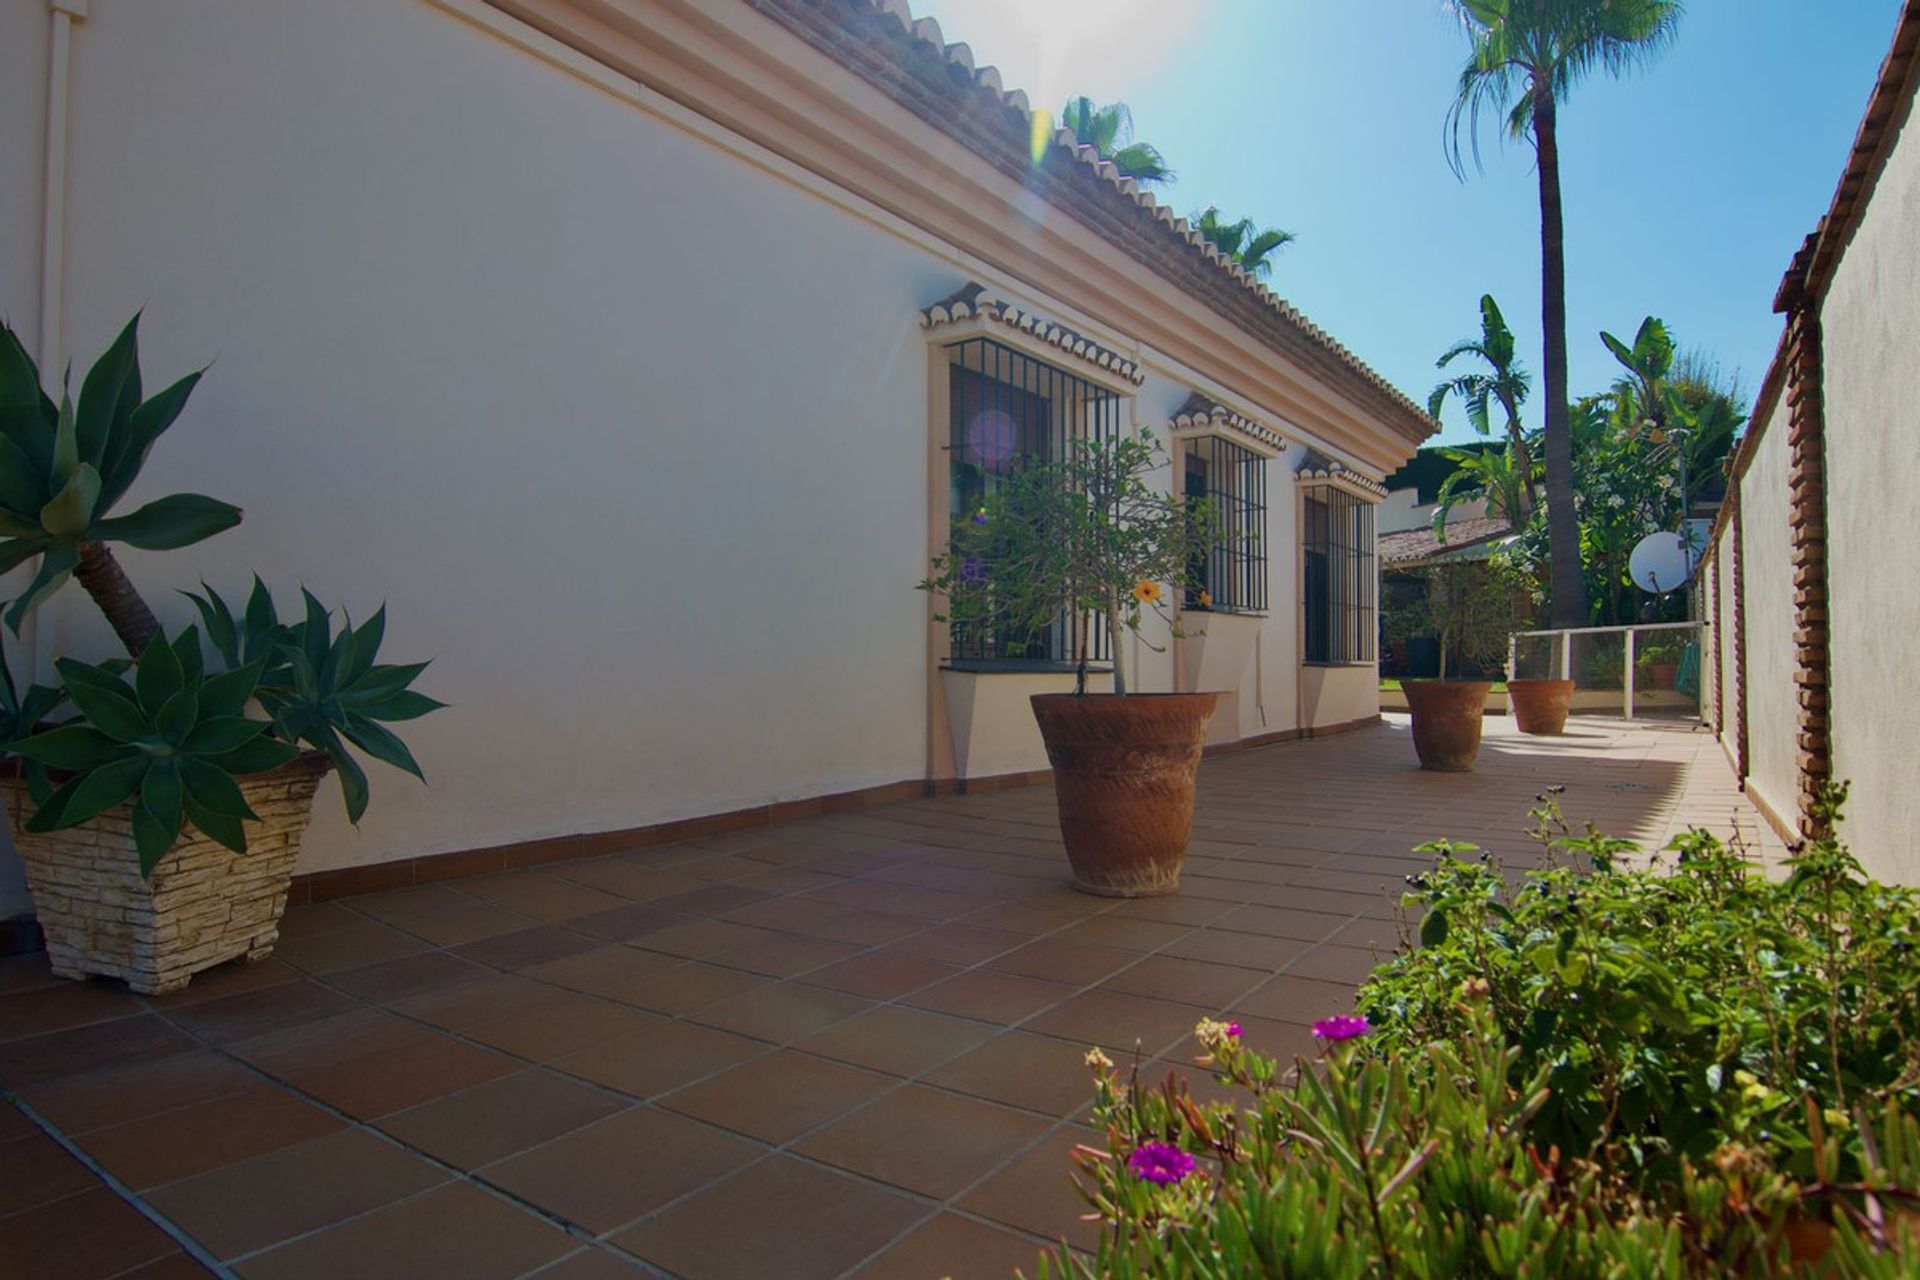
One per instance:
(1237, 571)
(1342, 629)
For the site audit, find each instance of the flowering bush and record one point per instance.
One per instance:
(1421, 1165)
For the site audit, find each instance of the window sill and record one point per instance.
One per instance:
(1341, 666)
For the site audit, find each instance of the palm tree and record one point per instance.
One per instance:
(1241, 241)
(1109, 131)
(1497, 477)
(1505, 383)
(1526, 57)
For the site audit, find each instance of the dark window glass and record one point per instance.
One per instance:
(1233, 571)
(1339, 589)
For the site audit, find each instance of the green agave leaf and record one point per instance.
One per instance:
(218, 735)
(102, 392)
(353, 780)
(16, 552)
(161, 795)
(381, 744)
(108, 711)
(366, 646)
(186, 649)
(317, 630)
(97, 675)
(178, 716)
(19, 376)
(262, 616)
(167, 523)
(127, 449)
(73, 747)
(153, 835)
(404, 705)
(218, 620)
(103, 788)
(23, 489)
(157, 677)
(256, 756)
(218, 826)
(70, 511)
(227, 694)
(66, 444)
(388, 679)
(56, 563)
(213, 789)
(49, 816)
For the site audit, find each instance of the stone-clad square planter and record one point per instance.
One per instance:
(203, 906)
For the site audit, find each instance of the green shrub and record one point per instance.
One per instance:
(1420, 1164)
(1673, 1009)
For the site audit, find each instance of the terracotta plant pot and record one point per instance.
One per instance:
(204, 904)
(1123, 771)
(1660, 674)
(1446, 721)
(1540, 706)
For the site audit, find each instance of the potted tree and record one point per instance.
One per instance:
(1472, 611)
(1062, 542)
(159, 821)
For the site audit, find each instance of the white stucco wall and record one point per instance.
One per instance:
(1871, 331)
(630, 433)
(1772, 711)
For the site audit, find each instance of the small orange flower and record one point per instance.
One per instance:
(1146, 592)
(1205, 599)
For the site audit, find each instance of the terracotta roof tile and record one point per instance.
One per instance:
(1411, 546)
(972, 300)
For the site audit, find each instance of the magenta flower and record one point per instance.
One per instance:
(1160, 1164)
(1233, 1031)
(1344, 1027)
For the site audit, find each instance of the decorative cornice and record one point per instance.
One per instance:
(1317, 471)
(971, 300)
(1201, 415)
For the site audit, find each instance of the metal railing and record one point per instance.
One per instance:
(1654, 666)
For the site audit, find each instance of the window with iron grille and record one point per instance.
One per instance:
(1232, 572)
(1338, 575)
(1008, 410)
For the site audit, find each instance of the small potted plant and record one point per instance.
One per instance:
(1659, 661)
(1472, 611)
(1073, 538)
(159, 823)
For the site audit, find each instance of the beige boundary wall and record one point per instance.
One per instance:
(623, 417)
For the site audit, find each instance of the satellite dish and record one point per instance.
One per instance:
(1661, 563)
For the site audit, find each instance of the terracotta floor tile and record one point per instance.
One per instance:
(1195, 982)
(315, 919)
(778, 1097)
(698, 939)
(961, 944)
(393, 905)
(781, 1013)
(1247, 950)
(71, 1004)
(956, 1248)
(1282, 922)
(607, 971)
(784, 955)
(880, 975)
(36, 1170)
(1036, 1192)
(626, 922)
(362, 944)
(540, 895)
(79, 1050)
(687, 987)
(1303, 1000)
(298, 1052)
(1038, 1073)
(926, 1141)
(472, 1003)
(612, 1172)
(1004, 998)
(660, 1058)
(816, 1223)
(899, 1041)
(1331, 962)
(175, 1266)
(189, 1140)
(411, 976)
(711, 900)
(1117, 1022)
(1058, 960)
(628, 879)
(492, 1121)
(594, 1264)
(394, 1079)
(467, 921)
(255, 1013)
(119, 1094)
(233, 978)
(820, 920)
(81, 1237)
(565, 1024)
(1030, 918)
(526, 947)
(457, 1232)
(248, 1206)
(1173, 909)
(780, 881)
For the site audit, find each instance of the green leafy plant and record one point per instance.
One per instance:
(1422, 1163)
(1657, 650)
(64, 467)
(1072, 537)
(1674, 1008)
(169, 745)
(324, 688)
(1473, 610)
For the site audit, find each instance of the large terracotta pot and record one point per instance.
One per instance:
(1660, 675)
(1540, 706)
(1446, 721)
(203, 905)
(1123, 772)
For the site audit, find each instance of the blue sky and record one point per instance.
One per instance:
(1688, 186)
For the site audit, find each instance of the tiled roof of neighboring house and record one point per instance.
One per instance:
(1200, 412)
(909, 59)
(973, 300)
(1417, 546)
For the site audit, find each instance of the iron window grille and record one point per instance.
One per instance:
(1232, 572)
(1008, 410)
(1338, 574)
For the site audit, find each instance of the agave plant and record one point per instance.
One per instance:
(169, 744)
(322, 688)
(63, 469)
(21, 712)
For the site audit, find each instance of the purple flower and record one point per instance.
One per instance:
(1233, 1031)
(1343, 1027)
(980, 516)
(1160, 1164)
(973, 571)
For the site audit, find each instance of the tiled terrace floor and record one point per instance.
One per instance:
(844, 1046)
